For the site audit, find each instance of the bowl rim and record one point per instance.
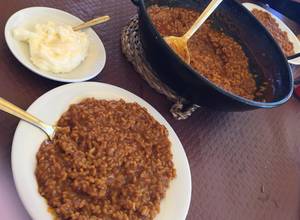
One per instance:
(89, 71)
(228, 94)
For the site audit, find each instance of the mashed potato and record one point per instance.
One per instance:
(54, 48)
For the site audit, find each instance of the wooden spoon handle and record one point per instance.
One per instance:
(92, 22)
(202, 18)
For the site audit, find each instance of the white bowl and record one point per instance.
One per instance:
(28, 17)
(292, 37)
(49, 107)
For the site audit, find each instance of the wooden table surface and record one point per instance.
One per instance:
(244, 165)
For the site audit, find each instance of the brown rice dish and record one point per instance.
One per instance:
(273, 27)
(110, 160)
(214, 54)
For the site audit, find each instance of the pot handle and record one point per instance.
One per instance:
(291, 59)
(296, 55)
(136, 2)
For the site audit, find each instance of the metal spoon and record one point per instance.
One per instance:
(179, 44)
(16, 111)
(92, 22)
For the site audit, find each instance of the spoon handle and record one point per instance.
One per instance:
(12, 109)
(92, 22)
(202, 18)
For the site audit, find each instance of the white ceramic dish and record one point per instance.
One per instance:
(49, 107)
(28, 17)
(292, 37)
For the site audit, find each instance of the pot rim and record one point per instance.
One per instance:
(141, 6)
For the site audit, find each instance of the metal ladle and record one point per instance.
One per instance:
(179, 44)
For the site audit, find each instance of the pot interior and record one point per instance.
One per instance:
(266, 60)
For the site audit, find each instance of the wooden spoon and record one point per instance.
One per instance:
(179, 44)
(92, 22)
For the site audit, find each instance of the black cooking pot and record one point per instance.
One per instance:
(265, 57)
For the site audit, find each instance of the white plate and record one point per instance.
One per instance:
(28, 17)
(292, 37)
(49, 107)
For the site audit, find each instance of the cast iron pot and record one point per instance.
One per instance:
(265, 57)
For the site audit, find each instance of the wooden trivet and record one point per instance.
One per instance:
(133, 51)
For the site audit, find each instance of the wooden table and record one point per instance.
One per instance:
(244, 165)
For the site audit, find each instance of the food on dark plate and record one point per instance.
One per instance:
(110, 160)
(214, 54)
(273, 27)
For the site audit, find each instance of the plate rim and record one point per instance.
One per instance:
(40, 73)
(134, 98)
